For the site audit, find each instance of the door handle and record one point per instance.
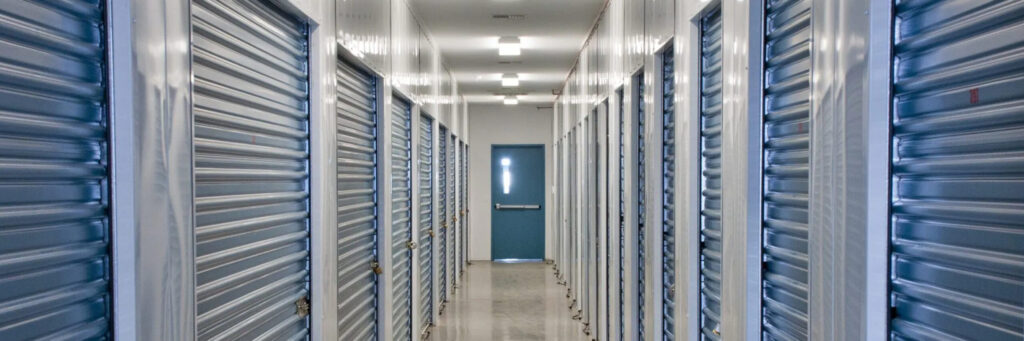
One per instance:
(516, 207)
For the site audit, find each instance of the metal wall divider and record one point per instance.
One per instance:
(251, 140)
(786, 169)
(711, 174)
(55, 228)
(957, 247)
(357, 166)
(402, 244)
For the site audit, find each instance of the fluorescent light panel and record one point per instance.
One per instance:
(509, 80)
(511, 100)
(509, 46)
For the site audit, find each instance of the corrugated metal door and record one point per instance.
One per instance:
(587, 226)
(442, 187)
(401, 219)
(787, 67)
(711, 174)
(356, 134)
(251, 140)
(668, 194)
(958, 171)
(573, 197)
(54, 177)
(465, 209)
(453, 271)
(622, 216)
(426, 219)
(641, 204)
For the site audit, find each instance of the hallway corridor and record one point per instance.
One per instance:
(508, 302)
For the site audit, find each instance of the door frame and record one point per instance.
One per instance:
(490, 206)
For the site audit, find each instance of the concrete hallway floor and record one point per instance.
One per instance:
(497, 301)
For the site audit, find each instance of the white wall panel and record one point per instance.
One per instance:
(152, 156)
(405, 38)
(633, 35)
(364, 29)
(848, 229)
(741, 169)
(659, 21)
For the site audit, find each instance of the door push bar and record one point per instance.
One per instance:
(516, 207)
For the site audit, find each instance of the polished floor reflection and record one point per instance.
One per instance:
(508, 302)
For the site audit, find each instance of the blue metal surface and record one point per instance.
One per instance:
(401, 219)
(251, 139)
(711, 175)
(442, 186)
(641, 204)
(452, 219)
(957, 210)
(425, 200)
(668, 194)
(786, 163)
(357, 138)
(517, 234)
(622, 215)
(54, 176)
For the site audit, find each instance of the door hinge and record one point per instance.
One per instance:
(410, 244)
(302, 307)
(444, 225)
(376, 267)
(431, 234)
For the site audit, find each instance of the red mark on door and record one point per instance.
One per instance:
(974, 96)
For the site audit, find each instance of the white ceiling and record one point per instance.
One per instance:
(552, 34)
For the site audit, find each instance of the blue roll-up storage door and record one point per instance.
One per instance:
(786, 130)
(453, 220)
(622, 216)
(401, 219)
(641, 204)
(425, 200)
(251, 140)
(356, 134)
(957, 262)
(711, 174)
(668, 194)
(442, 187)
(54, 176)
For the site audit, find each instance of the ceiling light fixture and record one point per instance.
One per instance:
(509, 80)
(509, 46)
(511, 100)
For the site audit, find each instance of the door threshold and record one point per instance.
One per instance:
(518, 260)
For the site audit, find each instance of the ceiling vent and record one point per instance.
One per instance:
(509, 17)
(511, 92)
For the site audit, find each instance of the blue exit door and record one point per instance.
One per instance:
(517, 203)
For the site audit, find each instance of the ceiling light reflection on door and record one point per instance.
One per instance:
(509, 80)
(506, 176)
(509, 46)
(511, 100)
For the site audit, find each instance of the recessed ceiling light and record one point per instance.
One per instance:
(509, 46)
(511, 100)
(509, 80)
